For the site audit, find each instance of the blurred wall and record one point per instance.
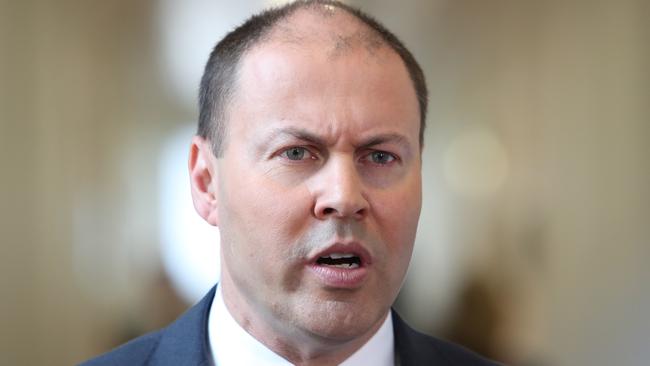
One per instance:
(83, 115)
(534, 231)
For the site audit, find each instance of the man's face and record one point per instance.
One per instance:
(318, 189)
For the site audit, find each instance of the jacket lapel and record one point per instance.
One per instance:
(185, 341)
(411, 347)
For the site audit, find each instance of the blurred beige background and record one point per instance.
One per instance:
(535, 231)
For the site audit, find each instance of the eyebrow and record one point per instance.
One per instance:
(305, 135)
(298, 133)
(385, 138)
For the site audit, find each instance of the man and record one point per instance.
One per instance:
(308, 159)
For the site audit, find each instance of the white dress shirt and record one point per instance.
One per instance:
(231, 345)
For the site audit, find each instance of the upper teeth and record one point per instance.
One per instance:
(340, 255)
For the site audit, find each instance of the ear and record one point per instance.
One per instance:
(203, 179)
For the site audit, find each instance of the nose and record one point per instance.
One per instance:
(339, 191)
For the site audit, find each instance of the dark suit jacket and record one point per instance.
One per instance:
(185, 343)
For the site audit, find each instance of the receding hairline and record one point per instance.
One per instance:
(327, 24)
(342, 32)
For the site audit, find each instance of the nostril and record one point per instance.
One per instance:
(328, 211)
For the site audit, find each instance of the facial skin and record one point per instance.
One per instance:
(322, 149)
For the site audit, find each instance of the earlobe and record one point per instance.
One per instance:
(203, 180)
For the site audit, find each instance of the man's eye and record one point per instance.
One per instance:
(296, 153)
(381, 157)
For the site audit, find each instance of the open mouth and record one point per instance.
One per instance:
(340, 260)
(342, 266)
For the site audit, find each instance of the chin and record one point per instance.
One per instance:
(338, 321)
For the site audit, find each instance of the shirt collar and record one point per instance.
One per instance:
(232, 345)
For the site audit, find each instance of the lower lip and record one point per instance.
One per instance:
(339, 277)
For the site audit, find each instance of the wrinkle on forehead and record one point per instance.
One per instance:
(331, 29)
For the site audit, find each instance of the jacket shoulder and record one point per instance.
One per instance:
(415, 348)
(183, 342)
(135, 352)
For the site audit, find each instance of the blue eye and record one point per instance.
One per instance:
(296, 153)
(381, 157)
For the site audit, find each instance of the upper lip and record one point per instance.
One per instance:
(352, 247)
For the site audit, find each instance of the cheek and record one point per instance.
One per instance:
(263, 217)
(397, 211)
(398, 208)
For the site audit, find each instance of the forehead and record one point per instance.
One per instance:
(321, 38)
(324, 68)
